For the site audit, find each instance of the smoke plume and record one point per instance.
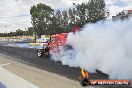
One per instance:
(106, 46)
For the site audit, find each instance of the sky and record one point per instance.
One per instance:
(15, 14)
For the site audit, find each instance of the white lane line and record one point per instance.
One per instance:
(5, 64)
(11, 80)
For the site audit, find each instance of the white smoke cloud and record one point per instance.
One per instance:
(106, 46)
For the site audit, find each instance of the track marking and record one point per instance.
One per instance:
(5, 64)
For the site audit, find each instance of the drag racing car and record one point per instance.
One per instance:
(55, 42)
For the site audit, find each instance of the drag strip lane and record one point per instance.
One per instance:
(29, 56)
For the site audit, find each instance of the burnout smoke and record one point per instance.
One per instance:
(106, 46)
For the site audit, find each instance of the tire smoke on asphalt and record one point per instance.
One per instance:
(106, 46)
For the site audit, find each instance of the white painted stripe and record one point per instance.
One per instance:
(4, 64)
(11, 80)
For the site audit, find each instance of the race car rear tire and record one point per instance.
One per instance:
(47, 54)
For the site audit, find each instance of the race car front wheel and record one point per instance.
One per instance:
(40, 54)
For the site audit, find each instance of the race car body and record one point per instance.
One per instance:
(55, 42)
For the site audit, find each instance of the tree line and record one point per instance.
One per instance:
(19, 32)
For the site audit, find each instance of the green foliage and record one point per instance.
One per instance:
(41, 18)
(90, 12)
(47, 21)
(19, 32)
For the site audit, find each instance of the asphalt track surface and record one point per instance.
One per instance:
(29, 56)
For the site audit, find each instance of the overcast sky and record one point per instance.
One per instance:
(14, 14)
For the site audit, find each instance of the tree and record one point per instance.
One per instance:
(19, 32)
(65, 21)
(96, 10)
(57, 22)
(41, 18)
(91, 11)
(29, 32)
(88, 12)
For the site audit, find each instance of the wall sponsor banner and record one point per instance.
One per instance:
(111, 82)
